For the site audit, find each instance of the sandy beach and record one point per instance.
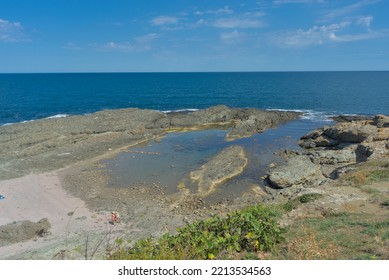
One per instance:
(37, 196)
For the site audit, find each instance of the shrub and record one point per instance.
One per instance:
(252, 230)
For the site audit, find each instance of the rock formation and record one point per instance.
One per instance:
(329, 149)
(227, 164)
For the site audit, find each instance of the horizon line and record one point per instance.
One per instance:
(183, 72)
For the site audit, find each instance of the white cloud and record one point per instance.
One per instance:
(238, 23)
(143, 42)
(342, 11)
(164, 20)
(11, 31)
(313, 36)
(232, 37)
(138, 44)
(361, 36)
(112, 46)
(221, 11)
(365, 21)
(318, 35)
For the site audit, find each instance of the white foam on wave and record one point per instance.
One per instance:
(180, 110)
(58, 116)
(50, 117)
(309, 114)
(7, 124)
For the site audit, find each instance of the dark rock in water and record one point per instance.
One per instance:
(344, 118)
(298, 170)
(23, 231)
(244, 122)
(250, 121)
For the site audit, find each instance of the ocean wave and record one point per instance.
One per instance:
(7, 124)
(309, 114)
(180, 110)
(27, 121)
(57, 116)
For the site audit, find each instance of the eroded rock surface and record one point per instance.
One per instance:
(329, 150)
(227, 164)
(50, 144)
(298, 170)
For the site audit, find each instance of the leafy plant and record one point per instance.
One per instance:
(251, 230)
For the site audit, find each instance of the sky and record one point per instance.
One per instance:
(191, 36)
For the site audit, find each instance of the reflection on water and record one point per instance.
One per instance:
(167, 161)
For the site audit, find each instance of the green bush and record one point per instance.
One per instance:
(251, 230)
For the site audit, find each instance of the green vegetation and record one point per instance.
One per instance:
(315, 233)
(339, 236)
(250, 231)
(305, 198)
(375, 171)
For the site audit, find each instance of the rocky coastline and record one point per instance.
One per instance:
(50, 144)
(328, 150)
(74, 147)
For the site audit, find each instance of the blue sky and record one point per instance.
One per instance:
(189, 35)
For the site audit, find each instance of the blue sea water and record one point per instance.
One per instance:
(25, 97)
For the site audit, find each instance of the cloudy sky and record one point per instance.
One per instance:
(189, 35)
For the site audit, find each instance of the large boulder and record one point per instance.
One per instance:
(298, 170)
(350, 133)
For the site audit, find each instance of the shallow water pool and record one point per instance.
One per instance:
(168, 161)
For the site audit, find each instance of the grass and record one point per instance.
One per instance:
(368, 173)
(294, 203)
(245, 233)
(341, 236)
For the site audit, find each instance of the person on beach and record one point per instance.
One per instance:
(115, 217)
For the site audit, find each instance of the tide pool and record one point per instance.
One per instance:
(166, 162)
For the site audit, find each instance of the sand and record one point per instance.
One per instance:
(38, 196)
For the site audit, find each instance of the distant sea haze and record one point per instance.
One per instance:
(25, 97)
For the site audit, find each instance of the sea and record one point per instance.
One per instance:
(318, 95)
(167, 162)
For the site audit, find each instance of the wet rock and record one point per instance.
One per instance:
(227, 164)
(35, 146)
(348, 118)
(297, 171)
(250, 121)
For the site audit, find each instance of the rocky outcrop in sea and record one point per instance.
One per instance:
(328, 150)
